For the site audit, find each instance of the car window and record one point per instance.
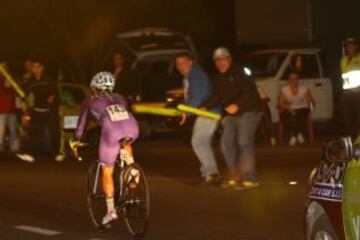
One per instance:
(156, 77)
(118, 47)
(264, 64)
(72, 96)
(305, 65)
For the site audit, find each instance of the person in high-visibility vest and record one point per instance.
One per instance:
(350, 69)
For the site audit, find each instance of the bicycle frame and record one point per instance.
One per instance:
(122, 162)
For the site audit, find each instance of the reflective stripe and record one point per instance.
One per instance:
(351, 80)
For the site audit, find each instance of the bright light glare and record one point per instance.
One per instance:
(293, 183)
(351, 80)
(247, 71)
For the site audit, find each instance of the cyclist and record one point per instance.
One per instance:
(117, 123)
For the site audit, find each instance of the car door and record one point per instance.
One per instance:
(307, 65)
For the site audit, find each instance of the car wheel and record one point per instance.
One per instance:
(323, 230)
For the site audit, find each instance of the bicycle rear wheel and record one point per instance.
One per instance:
(95, 195)
(136, 200)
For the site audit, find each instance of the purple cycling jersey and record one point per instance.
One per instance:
(115, 120)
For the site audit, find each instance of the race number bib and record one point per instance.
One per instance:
(117, 112)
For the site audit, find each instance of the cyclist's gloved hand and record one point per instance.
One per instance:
(74, 144)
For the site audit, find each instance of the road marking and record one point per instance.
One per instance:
(42, 231)
(191, 180)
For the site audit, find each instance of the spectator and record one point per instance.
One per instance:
(297, 64)
(126, 83)
(270, 128)
(236, 92)
(197, 88)
(44, 126)
(26, 77)
(350, 101)
(8, 119)
(295, 101)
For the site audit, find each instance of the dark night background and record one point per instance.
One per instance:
(73, 34)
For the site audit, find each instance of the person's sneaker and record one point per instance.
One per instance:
(292, 141)
(109, 217)
(59, 158)
(26, 157)
(211, 179)
(247, 185)
(229, 183)
(300, 138)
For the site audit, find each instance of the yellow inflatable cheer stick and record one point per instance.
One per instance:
(198, 112)
(12, 82)
(155, 110)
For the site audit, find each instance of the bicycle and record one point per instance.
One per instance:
(132, 199)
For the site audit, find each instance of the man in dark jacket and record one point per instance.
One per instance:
(236, 92)
(126, 81)
(197, 89)
(43, 99)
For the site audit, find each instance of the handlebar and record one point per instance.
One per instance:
(74, 146)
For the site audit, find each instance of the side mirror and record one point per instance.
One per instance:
(339, 151)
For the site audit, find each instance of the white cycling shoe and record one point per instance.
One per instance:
(109, 217)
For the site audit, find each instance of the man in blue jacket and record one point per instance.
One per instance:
(197, 89)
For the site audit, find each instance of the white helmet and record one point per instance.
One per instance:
(103, 81)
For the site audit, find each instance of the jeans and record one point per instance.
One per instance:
(237, 145)
(296, 123)
(8, 122)
(202, 136)
(44, 133)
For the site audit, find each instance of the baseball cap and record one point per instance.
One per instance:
(221, 52)
(351, 40)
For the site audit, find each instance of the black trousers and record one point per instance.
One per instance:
(44, 133)
(351, 112)
(295, 123)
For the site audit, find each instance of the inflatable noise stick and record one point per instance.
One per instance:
(162, 111)
(12, 82)
(198, 112)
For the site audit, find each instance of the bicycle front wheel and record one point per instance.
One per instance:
(95, 195)
(136, 200)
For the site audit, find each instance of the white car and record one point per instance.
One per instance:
(272, 67)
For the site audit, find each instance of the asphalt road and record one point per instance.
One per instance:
(46, 200)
